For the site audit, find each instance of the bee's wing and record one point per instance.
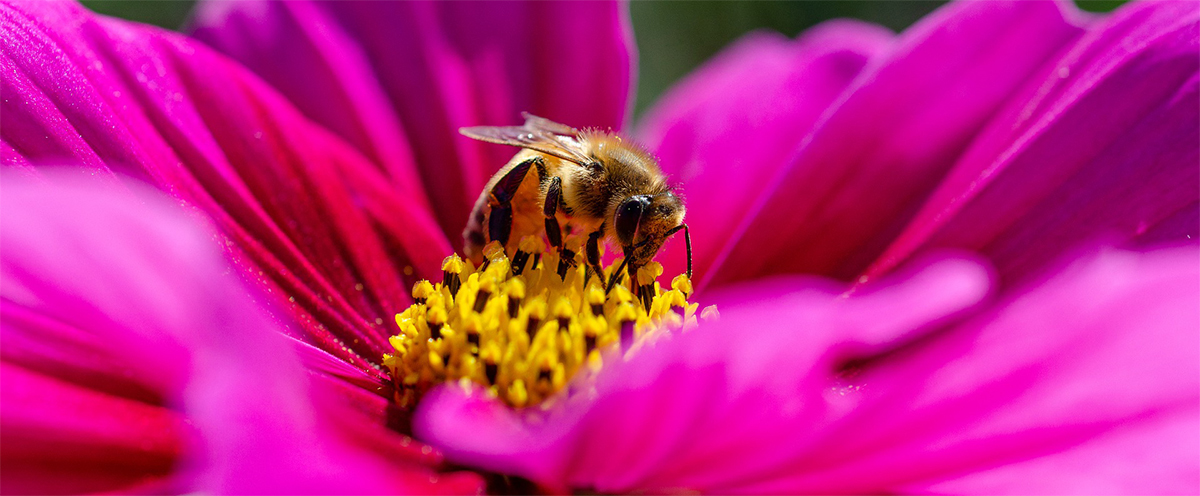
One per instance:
(537, 134)
(544, 124)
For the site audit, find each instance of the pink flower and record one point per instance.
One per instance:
(323, 152)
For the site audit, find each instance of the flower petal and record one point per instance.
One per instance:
(731, 125)
(1104, 144)
(1103, 357)
(298, 49)
(316, 223)
(54, 428)
(854, 181)
(707, 403)
(378, 71)
(1162, 464)
(131, 275)
(759, 402)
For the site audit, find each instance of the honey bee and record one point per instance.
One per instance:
(584, 181)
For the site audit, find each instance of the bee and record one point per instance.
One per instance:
(583, 181)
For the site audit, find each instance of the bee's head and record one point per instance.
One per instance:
(641, 222)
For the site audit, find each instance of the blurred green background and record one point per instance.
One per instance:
(673, 37)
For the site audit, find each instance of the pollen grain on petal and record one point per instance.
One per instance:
(524, 328)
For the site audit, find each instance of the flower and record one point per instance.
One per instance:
(331, 173)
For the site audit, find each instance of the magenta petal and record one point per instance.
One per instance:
(1162, 464)
(297, 48)
(377, 72)
(313, 220)
(863, 170)
(145, 294)
(1093, 375)
(731, 125)
(703, 408)
(1104, 144)
(59, 437)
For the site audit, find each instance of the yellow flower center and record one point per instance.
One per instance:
(523, 328)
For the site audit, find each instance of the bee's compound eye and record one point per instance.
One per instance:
(629, 215)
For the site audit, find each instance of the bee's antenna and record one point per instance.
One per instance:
(687, 238)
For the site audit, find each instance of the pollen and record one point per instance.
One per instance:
(528, 328)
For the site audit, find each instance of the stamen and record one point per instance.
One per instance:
(522, 329)
(451, 268)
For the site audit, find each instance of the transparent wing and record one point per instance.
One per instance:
(538, 134)
(544, 124)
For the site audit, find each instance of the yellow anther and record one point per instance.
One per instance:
(490, 353)
(562, 309)
(436, 300)
(523, 329)
(646, 274)
(666, 302)
(436, 316)
(515, 288)
(624, 312)
(517, 396)
(487, 284)
(682, 284)
(594, 327)
(436, 362)
(643, 323)
(398, 343)
(498, 269)
(421, 290)
(472, 329)
(472, 323)
(468, 367)
(545, 366)
(621, 294)
(558, 378)
(407, 327)
(408, 315)
(493, 250)
(594, 295)
(537, 308)
(453, 264)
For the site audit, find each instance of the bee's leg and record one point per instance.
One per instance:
(616, 275)
(566, 258)
(593, 256)
(500, 219)
(500, 224)
(687, 238)
(550, 209)
(641, 293)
